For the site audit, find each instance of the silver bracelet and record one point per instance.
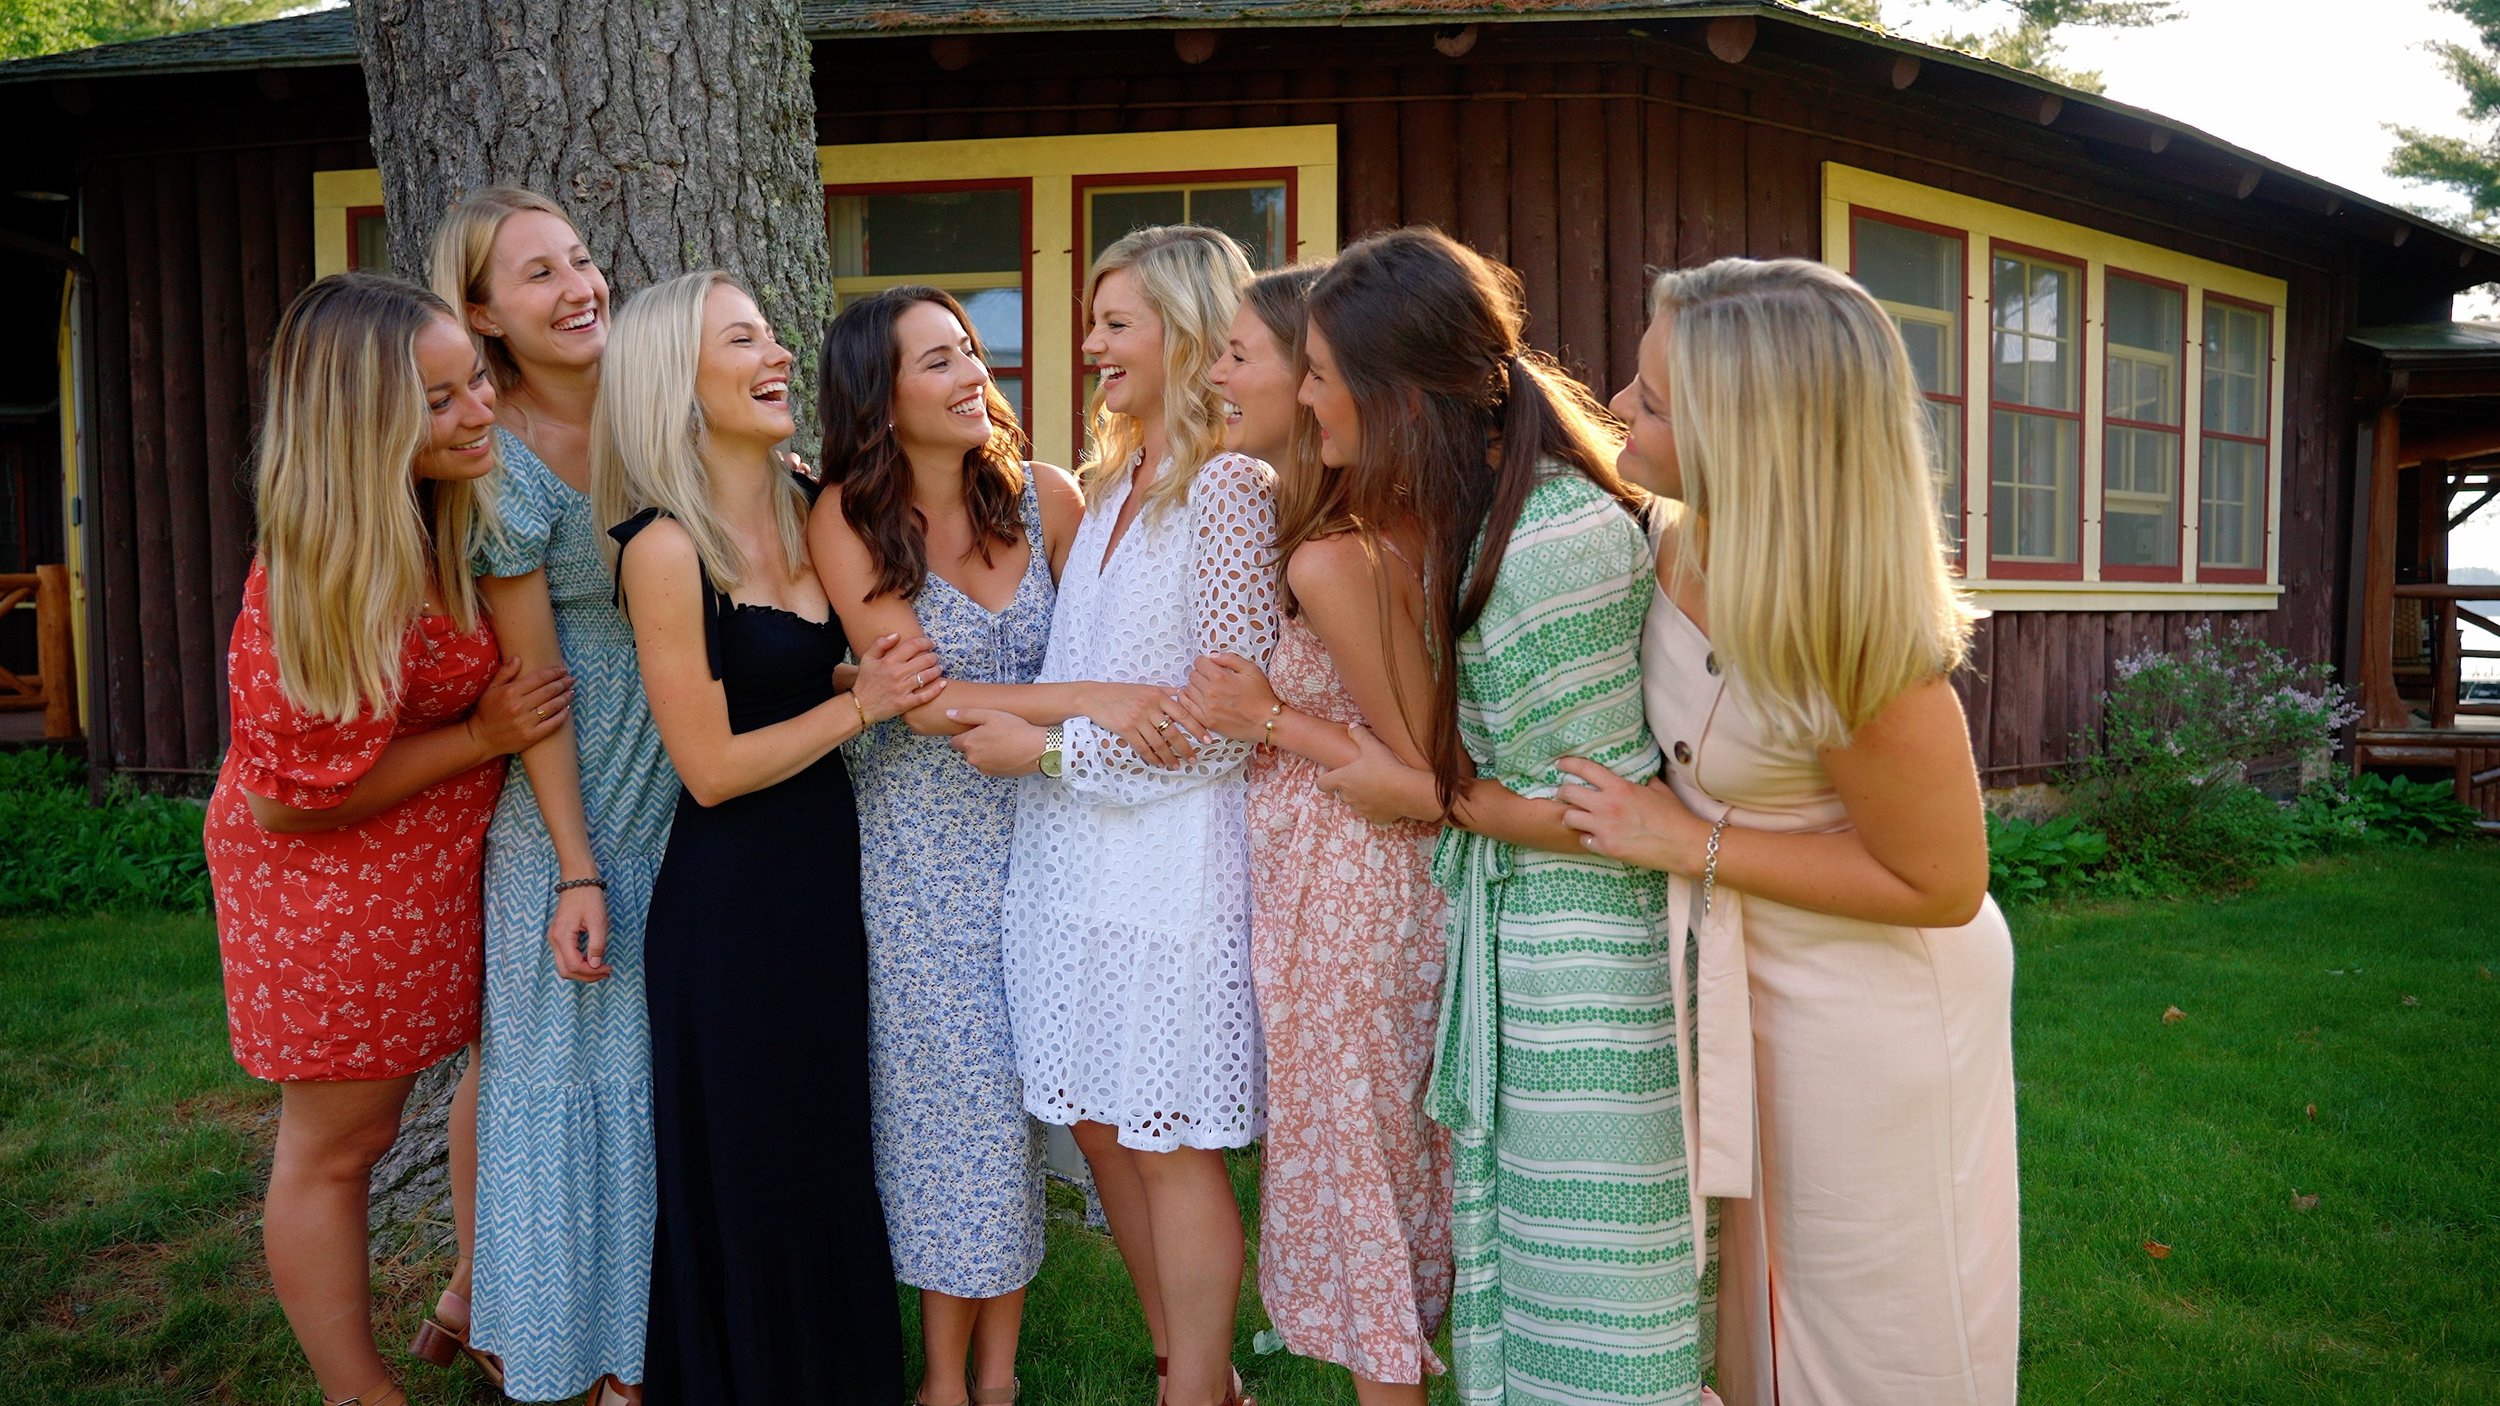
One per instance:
(594, 882)
(1710, 865)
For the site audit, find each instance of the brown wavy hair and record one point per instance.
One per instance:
(1460, 421)
(855, 395)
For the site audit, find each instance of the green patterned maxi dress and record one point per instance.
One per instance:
(1578, 1276)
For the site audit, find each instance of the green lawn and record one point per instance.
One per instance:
(131, 1153)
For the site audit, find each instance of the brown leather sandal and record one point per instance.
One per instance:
(1007, 1395)
(600, 1389)
(387, 1394)
(438, 1342)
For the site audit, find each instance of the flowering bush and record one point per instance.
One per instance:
(2221, 704)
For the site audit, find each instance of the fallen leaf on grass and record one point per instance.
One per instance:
(2157, 1249)
(2483, 972)
(2173, 1016)
(2313, 1113)
(2304, 1203)
(2413, 1000)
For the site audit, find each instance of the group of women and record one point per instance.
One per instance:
(1551, 833)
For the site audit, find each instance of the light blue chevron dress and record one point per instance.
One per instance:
(565, 1197)
(958, 1164)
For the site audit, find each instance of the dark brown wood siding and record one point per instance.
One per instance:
(1581, 154)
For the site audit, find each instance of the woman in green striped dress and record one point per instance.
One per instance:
(1579, 1250)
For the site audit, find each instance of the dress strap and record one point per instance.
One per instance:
(715, 600)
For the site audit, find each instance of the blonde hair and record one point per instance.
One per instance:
(1810, 481)
(646, 434)
(464, 251)
(344, 541)
(1191, 277)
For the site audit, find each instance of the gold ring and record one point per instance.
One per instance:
(915, 682)
(1163, 724)
(541, 711)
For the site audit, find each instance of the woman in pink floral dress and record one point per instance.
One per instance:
(1354, 1222)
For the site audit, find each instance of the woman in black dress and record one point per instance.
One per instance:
(770, 1280)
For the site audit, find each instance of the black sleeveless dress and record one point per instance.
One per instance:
(770, 1280)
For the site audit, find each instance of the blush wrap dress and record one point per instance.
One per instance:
(351, 953)
(1345, 946)
(1851, 1093)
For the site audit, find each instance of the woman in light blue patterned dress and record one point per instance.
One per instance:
(566, 1200)
(931, 523)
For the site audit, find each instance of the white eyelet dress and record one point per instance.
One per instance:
(1128, 895)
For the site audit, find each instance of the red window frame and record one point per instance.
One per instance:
(2176, 572)
(1023, 186)
(354, 214)
(2082, 270)
(1080, 259)
(2242, 575)
(1961, 351)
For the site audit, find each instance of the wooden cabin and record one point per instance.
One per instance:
(2107, 308)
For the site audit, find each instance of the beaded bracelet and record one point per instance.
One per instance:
(1710, 865)
(593, 882)
(1267, 740)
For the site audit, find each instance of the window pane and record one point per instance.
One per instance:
(1254, 215)
(1117, 212)
(2140, 524)
(2146, 316)
(2232, 506)
(1944, 421)
(1902, 265)
(2238, 342)
(2034, 464)
(373, 244)
(998, 318)
(1012, 387)
(2033, 317)
(921, 234)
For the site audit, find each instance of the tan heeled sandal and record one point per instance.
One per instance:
(438, 1342)
(387, 1394)
(600, 1392)
(1007, 1395)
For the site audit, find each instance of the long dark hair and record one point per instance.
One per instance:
(1459, 420)
(855, 395)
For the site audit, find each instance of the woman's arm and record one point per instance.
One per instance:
(848, 576)
(517, 710)
(663, 582)
(577, 932)
(1916, 852)
(1382, 787)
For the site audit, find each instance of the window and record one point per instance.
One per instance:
(2035, 415)
(2108, 412)
(970, 238)
(1253, 211)
(2140, 458)
(368, 240)
(1916, 273)
(2238, 366)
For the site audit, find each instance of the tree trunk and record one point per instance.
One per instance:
(678, 137)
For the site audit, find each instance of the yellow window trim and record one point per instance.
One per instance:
(1989, 224)
(1051, 164)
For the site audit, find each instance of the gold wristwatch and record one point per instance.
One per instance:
(1050, 751)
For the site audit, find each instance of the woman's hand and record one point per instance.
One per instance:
(1381, 788)
(1229, 696)
(997, 743)
(518, 710)
(1645, 825)
(897, 675)
(1141, 715)
(578, 934)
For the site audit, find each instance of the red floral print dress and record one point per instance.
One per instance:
(353, 953)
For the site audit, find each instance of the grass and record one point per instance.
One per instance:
(132, 1153)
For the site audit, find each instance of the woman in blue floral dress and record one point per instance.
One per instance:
(932, 523)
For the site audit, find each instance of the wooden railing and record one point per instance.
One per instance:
(53, 687)
(2449, 653)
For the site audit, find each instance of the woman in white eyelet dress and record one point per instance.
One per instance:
(1127, 912)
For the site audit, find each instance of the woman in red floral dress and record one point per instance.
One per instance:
(371, 719)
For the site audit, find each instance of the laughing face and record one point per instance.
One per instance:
(459, 404)
(1126, 344)
(939, 385)
(1324, 393)
(1254, 374)
(743, 378)
(545, 298)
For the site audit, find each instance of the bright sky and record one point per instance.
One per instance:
(2305, 82)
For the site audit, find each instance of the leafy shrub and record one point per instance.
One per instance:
(2400, 810)
(61, 855)
(2041, 859)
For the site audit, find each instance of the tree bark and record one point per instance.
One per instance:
(678, 137)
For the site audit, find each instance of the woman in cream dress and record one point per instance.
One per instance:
(1854, 1095)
